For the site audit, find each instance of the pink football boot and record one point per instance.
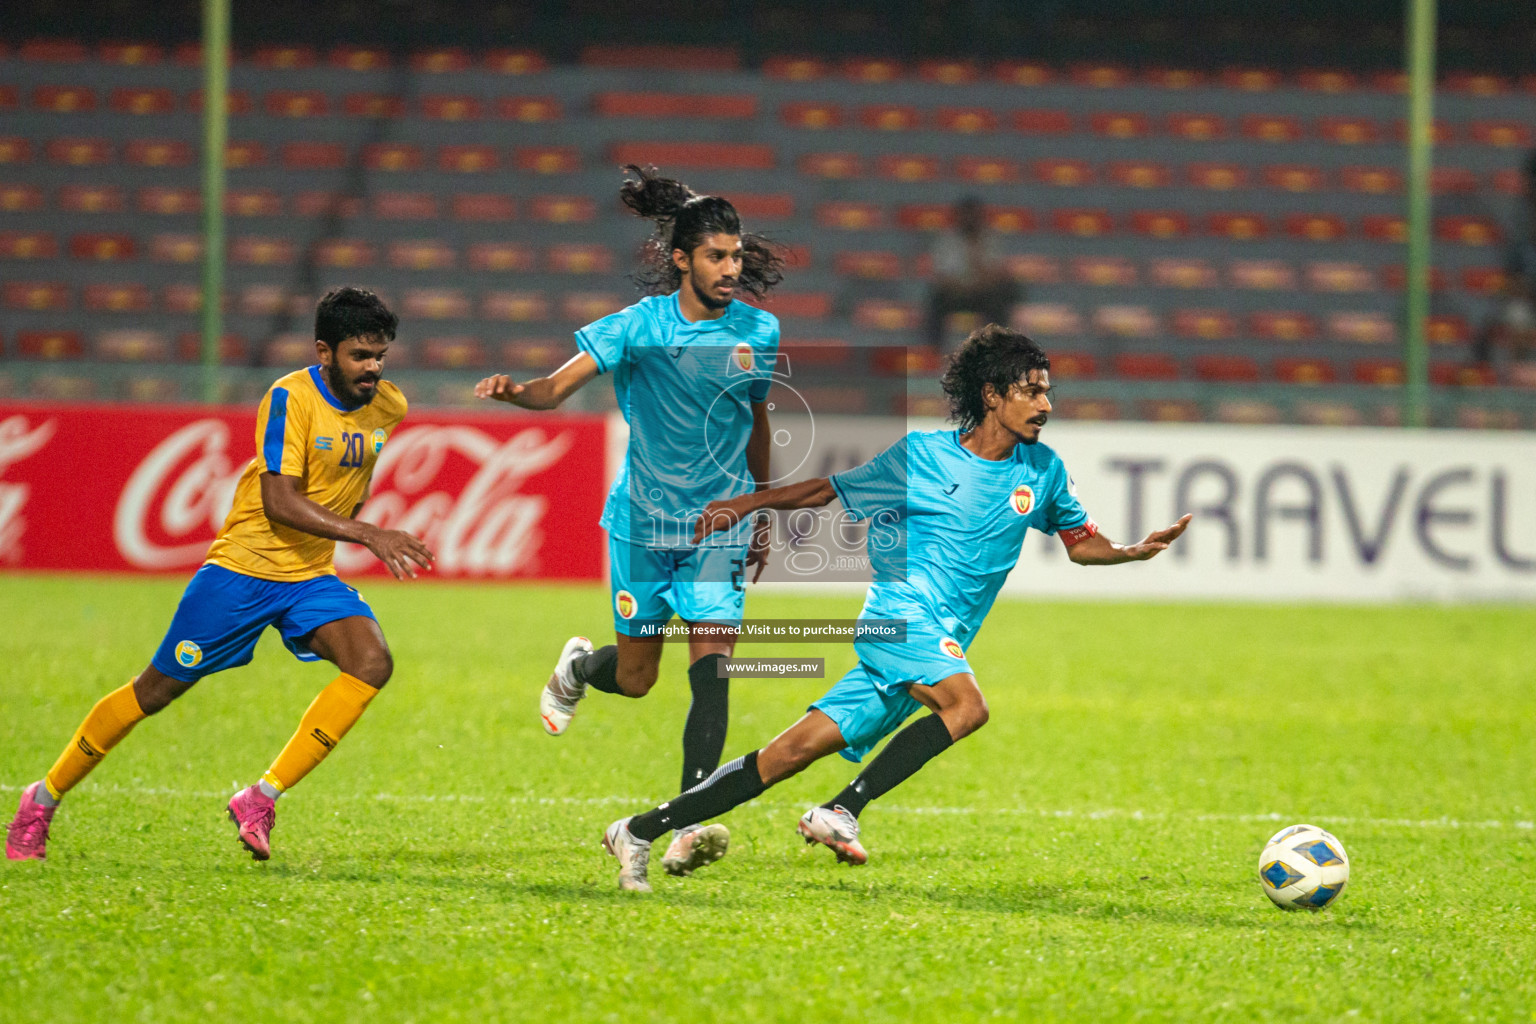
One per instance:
(255, 813)
(27, 837)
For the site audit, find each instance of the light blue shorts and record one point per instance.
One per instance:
(703, 584)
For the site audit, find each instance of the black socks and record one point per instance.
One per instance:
(731, 784)
(599, 670)
(911, 748)
(708, 715)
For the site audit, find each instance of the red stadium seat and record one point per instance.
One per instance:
(176, 248)
(1472, 84)
(284, 57)
(121, 297)
(1010, 220)
(1295, 177)
(925, 216)
(1467, 230)
(795, 69)
(1262, 275)
(1246, 410)
(887, 315)
(54, 51)
(965, 120)
(1100, 76)
(345, 253)
(28, 245)
(516, 306)
(1073, 366)
(468, 159)
(1394, 82)
(291, 349)
(1022, 72)
(1082, 223)
(1475, 417)
(1174, 78)
(1447, 329)
(1371, 180)
(1382, 372)
(242, 154)
(1239, 227)
(1349, 131)
(444, 60)
(489, 207)
(585, 307)
(1226, 369)
(1140, 174)
(1160, 223)
(1180, 272)
(883, 266)
(850, 216)
(90, 199)
(253, 202)
(1450, 180)
(143, 101)
(1169, 410)
(132, 345)
(1197, 127)
(378, 156)
(169, 201)
(662, 57)
(1103, 409)
(1316, 227)
(1508, 180)
(812, 115)
(987, 170)
(1204, 324)
(871, 70)
(1218, 177)
(51, 345)
(373, 105)
(20, 198)
(1034, 268)
(454, 352)
(563, 209)
(436, 303)
(890, 117)
(232, 348)
(1480, 280)
(1120, 125)
(580, 258)
(1272, 128)
(80, 152)
(515, 62)
(1042, 122)
(1364, 328)
(529, 109)
(403, 205)
(1048, 319)
(1104, 271)
(529, 354)
(907, 361)
(185, 299)
(1067, 173)
(832, 165)
(1146, 366)
(948, 72)
(1126, 321)
(1339, 277)
(358, 58)
(1384, 228)
(158, 153)
(440, 107)
(1328, 81)
(907, 167)
(558, 159)
(64, 99)
(681, 106)
(262, 251)
(1442, 133)
(421, 254)
(103, 248)
(501, 257)
(1304, 371)
(8, 97)
(763, 206)
(799, 305)
(1251, 79)
(319, 156)
(267, 300)
(1282, 325)
(1462, 375)
(288, 103)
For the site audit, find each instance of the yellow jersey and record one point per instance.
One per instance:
(304, 431)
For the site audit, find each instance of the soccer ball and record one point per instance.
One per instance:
(1303, 868)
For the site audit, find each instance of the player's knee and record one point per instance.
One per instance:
(373, 667)
(637, 682)
(967, 716)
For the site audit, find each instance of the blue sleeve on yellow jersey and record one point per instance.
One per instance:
(880, 485)
(1061, 509)
(607, 340)
(282, 433)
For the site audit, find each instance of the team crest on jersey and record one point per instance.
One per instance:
(379, 437)
(743, 356)
(1022, 499)
(188, 654)
(624, 604)
(952, 648)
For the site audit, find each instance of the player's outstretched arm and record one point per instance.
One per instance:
(722, 515)
(541, 392)
(1100, 550)
(285, 503)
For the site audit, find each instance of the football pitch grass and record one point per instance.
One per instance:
(1089, 855)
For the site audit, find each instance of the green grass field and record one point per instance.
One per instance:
(1089, 855)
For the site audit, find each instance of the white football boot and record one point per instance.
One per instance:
(694, 847)
(835, 829)
(558, 700)
(634, 856)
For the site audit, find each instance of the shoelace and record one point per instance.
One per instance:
(265, 818)
(32, 832)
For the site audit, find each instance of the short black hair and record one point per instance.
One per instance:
(991, 355)
(351, 312)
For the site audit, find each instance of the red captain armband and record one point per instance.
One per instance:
(1078, 534)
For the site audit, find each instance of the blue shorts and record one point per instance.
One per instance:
(703, 584)
(223, 613)
(871, 701)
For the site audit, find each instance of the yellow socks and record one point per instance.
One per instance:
(336, 710)
(113, 717)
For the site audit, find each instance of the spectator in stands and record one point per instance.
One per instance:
(1514, 326)
(968, 275)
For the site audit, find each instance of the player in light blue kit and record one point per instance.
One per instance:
(691, 370)
(947, 513)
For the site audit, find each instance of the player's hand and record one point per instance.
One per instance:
(500, 387)
(400, 552)
(1158, 540)
(757, 553)
(718, 516)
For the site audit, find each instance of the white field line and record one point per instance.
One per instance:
(640, 802)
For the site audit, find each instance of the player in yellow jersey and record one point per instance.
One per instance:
(318, 434)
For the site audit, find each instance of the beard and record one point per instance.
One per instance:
(705, 299)
(343, 389)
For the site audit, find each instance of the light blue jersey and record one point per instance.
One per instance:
(945, 529)
(686, 390)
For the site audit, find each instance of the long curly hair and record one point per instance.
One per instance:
(991, 355)
(684, 218)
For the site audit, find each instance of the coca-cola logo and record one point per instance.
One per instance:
(18, 440)
(456, 487)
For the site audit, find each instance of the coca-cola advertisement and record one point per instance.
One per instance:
(139, 489)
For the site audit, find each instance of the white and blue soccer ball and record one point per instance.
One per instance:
(1303, 868)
